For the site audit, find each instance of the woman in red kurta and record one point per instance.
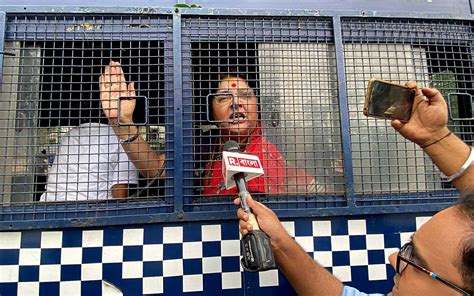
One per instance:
(273, 181)
(237, 118)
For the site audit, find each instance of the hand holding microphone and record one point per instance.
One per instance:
(256, 247)
(236, 167)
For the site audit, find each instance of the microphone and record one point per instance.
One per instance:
(235, 171)
(256, 247)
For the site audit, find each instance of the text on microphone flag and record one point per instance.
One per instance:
(244, 162)
(235, 162)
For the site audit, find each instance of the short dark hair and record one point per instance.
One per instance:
(235, 74)
(465, 207)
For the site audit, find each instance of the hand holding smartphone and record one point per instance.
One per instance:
(388, 100)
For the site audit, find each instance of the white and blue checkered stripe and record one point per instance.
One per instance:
(196, 257)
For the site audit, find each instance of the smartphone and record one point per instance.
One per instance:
(388, 100)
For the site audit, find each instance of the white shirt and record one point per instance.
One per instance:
(90, 160)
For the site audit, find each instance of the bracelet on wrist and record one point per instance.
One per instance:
(132, 138)
(436, 141)
(461, 170)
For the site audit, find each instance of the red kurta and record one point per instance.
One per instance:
(273, 181)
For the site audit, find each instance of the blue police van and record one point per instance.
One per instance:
(306, 62)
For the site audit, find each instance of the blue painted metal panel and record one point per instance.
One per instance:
(167, 255)
(169, 117)
(68, 215)
(344, 112)
(187, 123)
(461, 7)
(86, 27)
(51, 221)
(178, 112)
(2, 44)
(148, 3)
(176, 259)
(455, 6)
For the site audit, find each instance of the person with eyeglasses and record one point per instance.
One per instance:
(234, 109)
(439, 258)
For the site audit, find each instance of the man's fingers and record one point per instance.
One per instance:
(411, 84)
(107, 70)
(114, 77)
(433, 95)
(397, 124)
(241, 214)
(105, 77)
(245, 228)
(116, 72)
(419, 97)
(101, 83)
(256, 207)
(131, 89)
(250, 200)
(245, 225)
(104, 86)
(110, 72)
(414, 85)
(119, 69)
(430, 92)
(243, 231)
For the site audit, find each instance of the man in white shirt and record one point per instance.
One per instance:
(98, 161)
(90, 165)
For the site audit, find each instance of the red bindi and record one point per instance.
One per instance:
(233, 85)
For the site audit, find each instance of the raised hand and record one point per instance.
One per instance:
(112, 85)
(429, 117)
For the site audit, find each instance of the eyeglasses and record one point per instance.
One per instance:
(226, 98)
(405, 257)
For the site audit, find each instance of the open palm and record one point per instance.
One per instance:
(112, 86)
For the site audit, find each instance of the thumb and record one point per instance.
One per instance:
(250, 201)
(131, 89)
(397, 124)
(255, 205)
(433, 95)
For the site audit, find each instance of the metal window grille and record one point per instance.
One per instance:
(290, 65)
(387, 168)
(51, 113)
(50, 87)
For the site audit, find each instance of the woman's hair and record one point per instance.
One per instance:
(237, 75)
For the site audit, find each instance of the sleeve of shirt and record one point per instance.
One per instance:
(126, 172)
(349, 291)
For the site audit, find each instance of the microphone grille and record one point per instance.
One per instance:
(231, 146)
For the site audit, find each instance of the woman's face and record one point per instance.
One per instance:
(238, 118)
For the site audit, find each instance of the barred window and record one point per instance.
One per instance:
(57, 141)
(289, 89)
(289, 64)
(435, 54)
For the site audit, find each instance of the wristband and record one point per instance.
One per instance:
(436, 141)
(461, 170)
(132, 138)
